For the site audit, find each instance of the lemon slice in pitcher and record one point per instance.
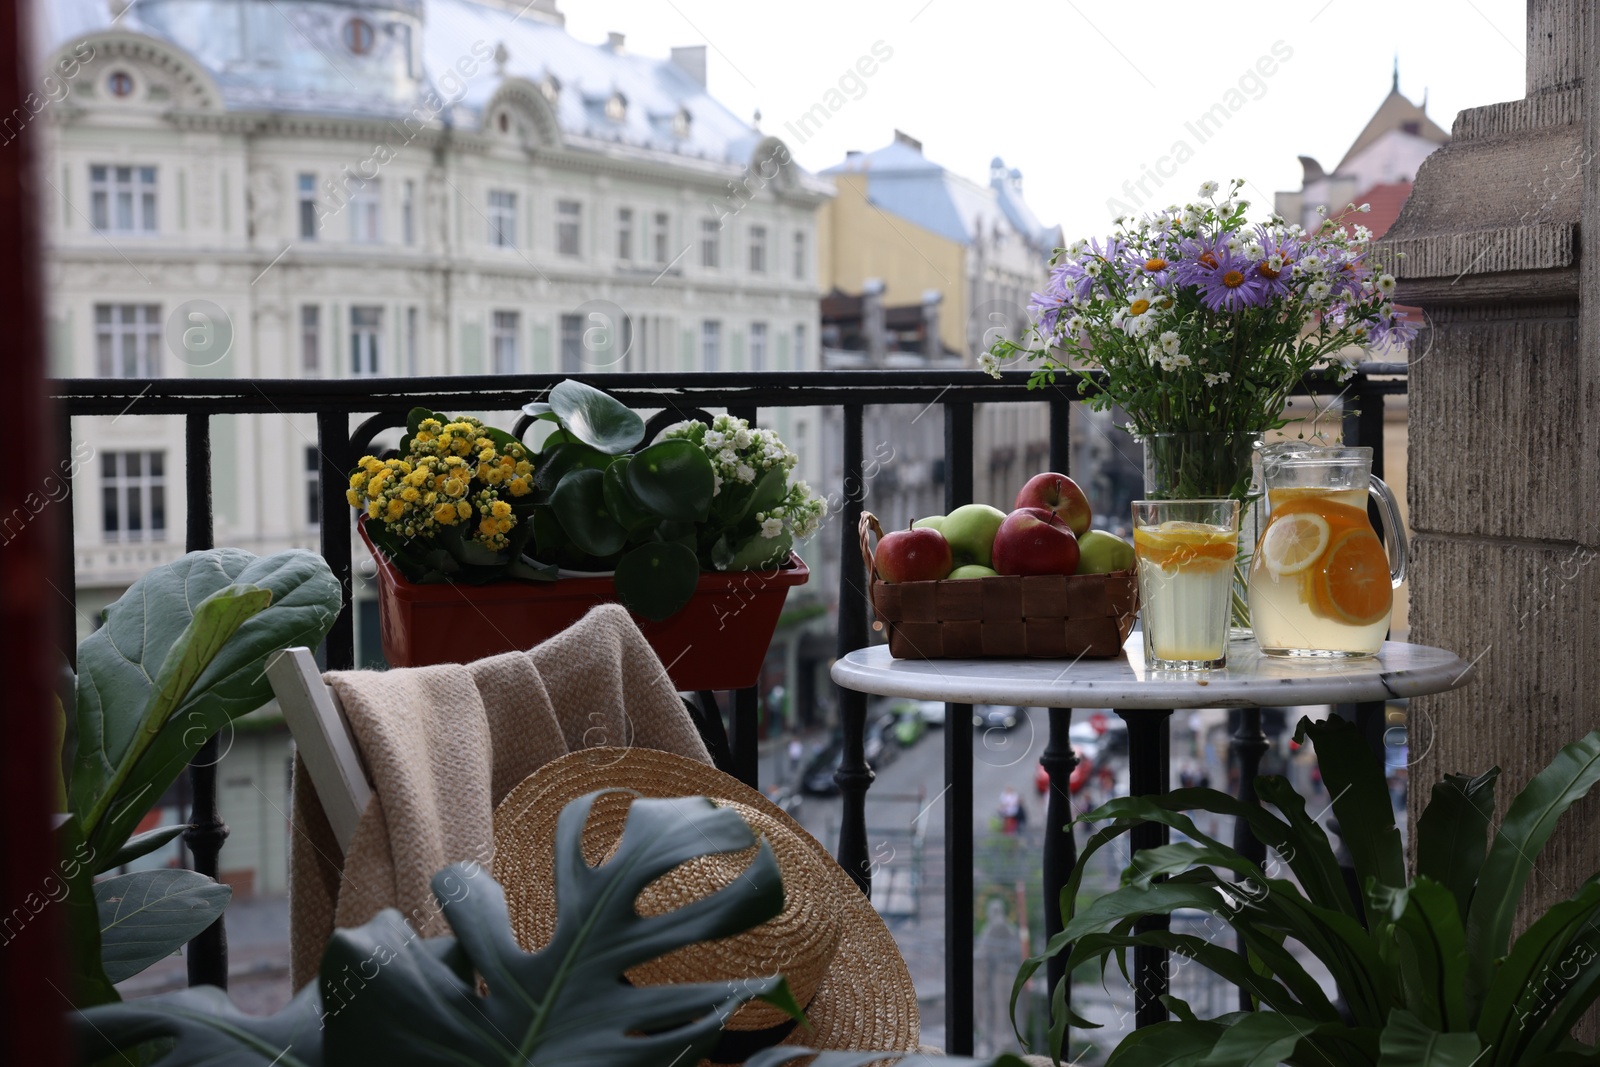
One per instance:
(1293, 543)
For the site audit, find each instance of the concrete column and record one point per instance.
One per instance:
(1505, 432)
(872, 321)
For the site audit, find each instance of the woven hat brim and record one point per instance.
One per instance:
(866, 1001)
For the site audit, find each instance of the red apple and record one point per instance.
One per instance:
(918, 555)
(1035, 541)
(1060, 494)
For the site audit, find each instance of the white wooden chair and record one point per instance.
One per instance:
(322, 735)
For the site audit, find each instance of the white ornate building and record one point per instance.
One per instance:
(385, 188)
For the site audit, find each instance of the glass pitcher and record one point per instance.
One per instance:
(1320, 581)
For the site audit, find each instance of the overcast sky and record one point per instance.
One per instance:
(1082, 96)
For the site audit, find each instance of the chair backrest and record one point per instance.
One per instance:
(323, 737)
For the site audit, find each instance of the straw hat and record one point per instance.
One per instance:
(839, 959)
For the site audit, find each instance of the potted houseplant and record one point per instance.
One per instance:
(689, 532)
(179, 656)
(1426, 967)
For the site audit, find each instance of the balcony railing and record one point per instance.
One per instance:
(675, 397)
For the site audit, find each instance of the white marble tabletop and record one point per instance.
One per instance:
(1250, 679)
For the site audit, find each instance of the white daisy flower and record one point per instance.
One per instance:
(1386, 284)
(1319, 290)
(1182, 360)
(1169, 342)
(1208, 189)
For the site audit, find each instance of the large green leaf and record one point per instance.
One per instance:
(1406, 1042)
(110, 816)
(119, 663)
(1526, 987)
(386, 996)
(595, 418)
(569, 1003)
(1432, 951)
(674, 479)
(1168, 1044)
(1453, 833)
(144, 844)
(657, 579)
(1261, 1039)
(148, 915)
(559, 460)
(579, 504)
(1528, 824)
(1354, 778)
(207, 1030)
(623, 506)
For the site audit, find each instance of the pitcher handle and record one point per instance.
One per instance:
(1394, 528)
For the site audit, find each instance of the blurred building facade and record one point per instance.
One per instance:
(385, 189)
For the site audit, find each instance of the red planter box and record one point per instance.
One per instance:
(717, 641)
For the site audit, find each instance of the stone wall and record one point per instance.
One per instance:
(1505, 433)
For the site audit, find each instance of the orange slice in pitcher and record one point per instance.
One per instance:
(1294, 542)
(1353, 585)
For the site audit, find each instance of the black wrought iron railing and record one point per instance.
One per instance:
(678, 396)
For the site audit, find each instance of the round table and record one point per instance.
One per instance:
(1145, 698)
(1251, 679)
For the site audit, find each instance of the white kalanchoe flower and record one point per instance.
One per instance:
(741, 439)
(771, 527)
(727, 457)
(713, 440)
(1208, 189)
(744, 472)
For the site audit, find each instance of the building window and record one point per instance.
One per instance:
(569, 220)
(133, 496)
(120, 84)
(711, 345)
(625, 234)
(661, 236)
(408, 212)
(310, 338)
(758, 250)
(313, 487)
(122, 199)
(710, 243)
(359, 36)
(411, 341)
(505, 342)
(758, 346)
(127, 340)
(617, 108)
(800, 255)
(571, 343)
(366, 346)
(365, 213)
(502, 218)
(800, 347)
(308, 206)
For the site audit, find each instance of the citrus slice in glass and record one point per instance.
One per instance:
(1353, 585)
(1294, 542)
(1176, 543)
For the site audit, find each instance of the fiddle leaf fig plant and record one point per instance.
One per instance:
(180, 655)
(1426, 967)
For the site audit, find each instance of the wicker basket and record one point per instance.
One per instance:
(1046, 616)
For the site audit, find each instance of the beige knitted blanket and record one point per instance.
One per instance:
(443, 745)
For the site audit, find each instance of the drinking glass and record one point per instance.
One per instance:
(1185, 551)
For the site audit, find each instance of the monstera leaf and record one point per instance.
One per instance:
(182, 653)
(388, 997)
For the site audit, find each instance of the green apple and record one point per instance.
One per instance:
(972, 570)
(970, 529)
(932, 522)
(1100, 552)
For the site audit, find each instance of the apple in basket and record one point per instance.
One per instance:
(1060, 494)
(916, 555)
(1035, 541)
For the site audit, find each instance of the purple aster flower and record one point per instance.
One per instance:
(1347, 273)
(1395, 328)
(1233, 284)
(1279, 248)
(1198, 258)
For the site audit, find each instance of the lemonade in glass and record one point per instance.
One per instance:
(1321, 583)
(1185, 551)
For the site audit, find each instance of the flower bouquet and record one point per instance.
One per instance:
(1194, 321)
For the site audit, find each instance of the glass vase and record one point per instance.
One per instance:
(1193, 465)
